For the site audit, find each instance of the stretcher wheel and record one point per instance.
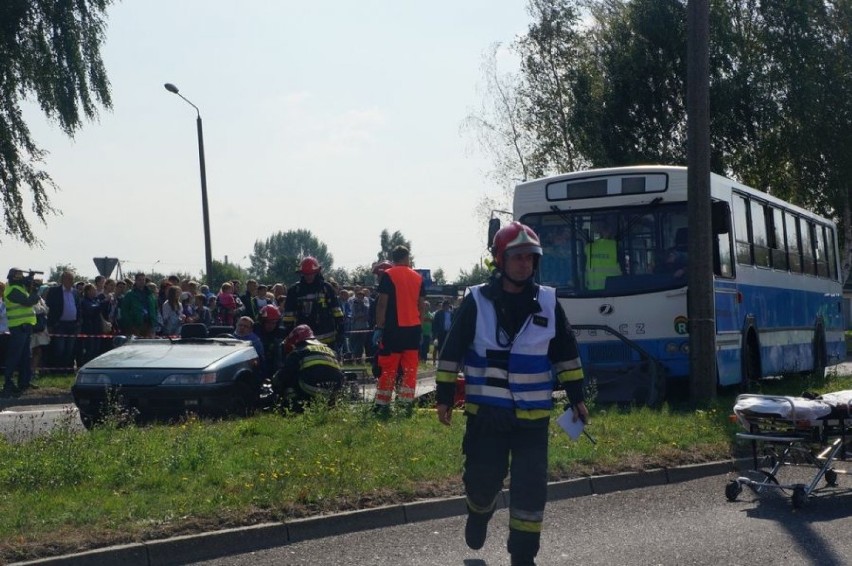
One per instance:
(733, 490)
(830, 477)
(799, 496)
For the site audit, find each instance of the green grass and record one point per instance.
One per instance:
(123, 483)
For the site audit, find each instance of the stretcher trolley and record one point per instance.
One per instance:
(793, 431)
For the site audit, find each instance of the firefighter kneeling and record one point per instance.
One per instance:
(310, 371)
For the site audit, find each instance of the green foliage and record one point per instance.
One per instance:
(362, 275)
(49, 51)
(56, 271)
(277, 258)
(225, 272)
(477, 274)
(338, 274)
(438, 277)
(610, 90)
(388, 241)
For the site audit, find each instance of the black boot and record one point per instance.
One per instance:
(476, 529)
(522, 560)
(10, 390)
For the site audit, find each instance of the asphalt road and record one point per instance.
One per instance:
(676, 524)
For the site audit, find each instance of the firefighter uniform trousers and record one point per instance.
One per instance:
(390, 364)
(496, 443)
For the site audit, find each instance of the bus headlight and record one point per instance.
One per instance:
(684, 348)
(671, 348)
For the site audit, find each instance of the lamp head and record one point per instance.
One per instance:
(171, 88)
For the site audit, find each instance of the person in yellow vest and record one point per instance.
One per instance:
(601, 256)
(20, 295)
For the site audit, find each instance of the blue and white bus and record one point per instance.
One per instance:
(778, 295)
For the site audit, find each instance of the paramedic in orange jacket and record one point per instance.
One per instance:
(402, 297)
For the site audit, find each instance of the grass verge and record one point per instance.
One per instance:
(69, 491)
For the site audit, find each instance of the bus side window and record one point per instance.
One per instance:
(776, 238)
(805, 233)
(794, 247)
(743, 246)
(759, 234)
(821, 252)
(832, 256)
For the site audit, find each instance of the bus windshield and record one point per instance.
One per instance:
(612, 252)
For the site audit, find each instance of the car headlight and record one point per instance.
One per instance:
(190, 379)
(93, 378)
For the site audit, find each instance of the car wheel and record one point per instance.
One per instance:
(243, 403)
(89, 421)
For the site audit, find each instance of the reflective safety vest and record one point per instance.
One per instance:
(407, 284)
(16, 313)
(601, 262)
(514, 375)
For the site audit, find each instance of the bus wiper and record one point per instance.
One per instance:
(569, 220)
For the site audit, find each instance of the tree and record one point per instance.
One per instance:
(362, 275)
(550, 53)
(225, 272)
(387, 242)
(613, 93)
(478, 274)
(438, 277)
(57, 270)
(497, 123)
(51, 52)
(339, 274)
(277, 258)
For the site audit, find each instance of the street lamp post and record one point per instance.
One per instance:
(208, 254)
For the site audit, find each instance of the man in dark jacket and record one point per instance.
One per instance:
(314, 302)
(63, 322)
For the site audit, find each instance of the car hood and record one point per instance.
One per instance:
(164, 354)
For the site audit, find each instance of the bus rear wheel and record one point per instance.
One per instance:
(819, 353)
(751, 365)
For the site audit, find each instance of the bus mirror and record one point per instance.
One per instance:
(493, 227)
(721, 214)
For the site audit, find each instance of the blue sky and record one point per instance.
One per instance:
(340, 117)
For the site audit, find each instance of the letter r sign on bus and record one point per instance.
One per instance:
(680, 324)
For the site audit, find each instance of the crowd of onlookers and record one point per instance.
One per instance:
(67, 336)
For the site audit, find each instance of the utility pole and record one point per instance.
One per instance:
(700, 304)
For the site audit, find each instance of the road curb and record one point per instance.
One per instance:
(21, 402)
(217, 544)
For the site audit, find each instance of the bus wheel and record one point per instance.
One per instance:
(751, 365)
(819, 353)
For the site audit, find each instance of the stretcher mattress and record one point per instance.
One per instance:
(836, 404)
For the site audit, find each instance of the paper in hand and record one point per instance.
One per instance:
(573, 428)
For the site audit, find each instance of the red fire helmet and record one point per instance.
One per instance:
(514, 238)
